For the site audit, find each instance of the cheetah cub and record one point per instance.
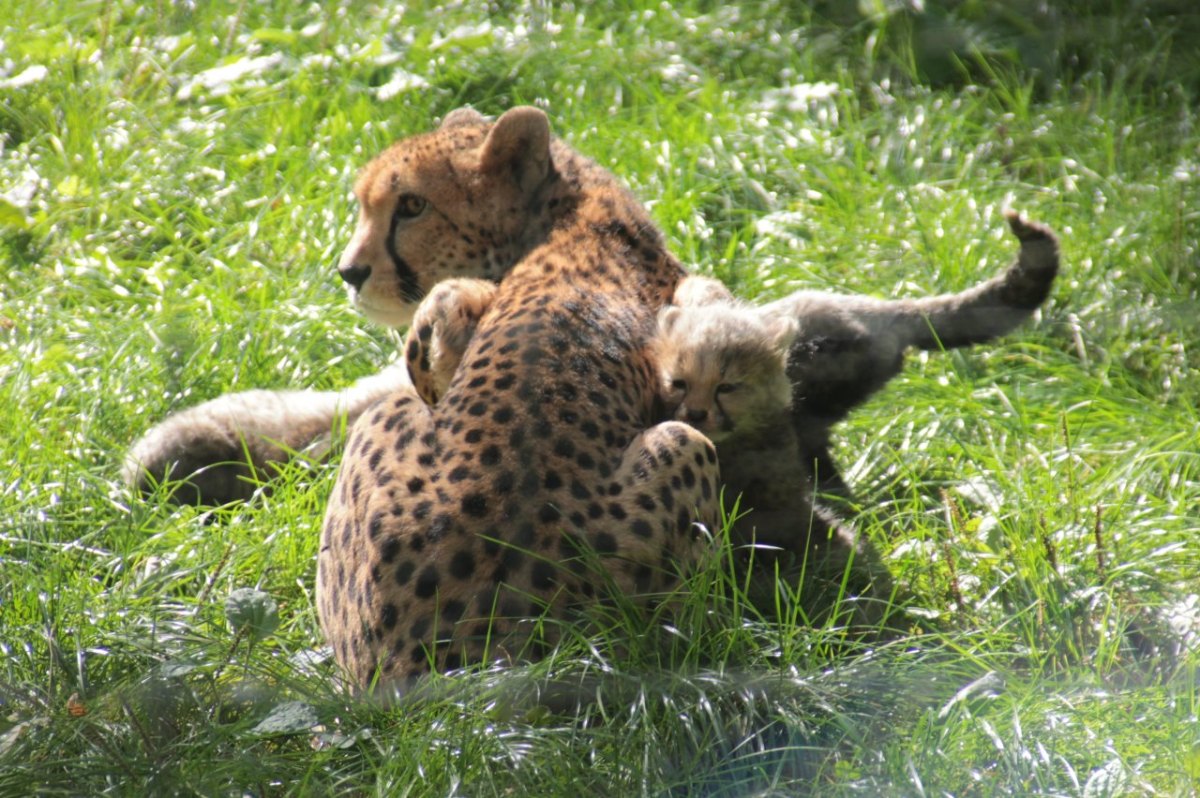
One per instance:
(723, 369)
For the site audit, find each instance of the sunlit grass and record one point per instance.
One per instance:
(167, 235)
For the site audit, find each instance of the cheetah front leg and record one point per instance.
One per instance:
(442, 327)
(665, 483)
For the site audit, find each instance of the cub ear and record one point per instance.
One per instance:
(463, 116)
(668, 317)
(519, 144)
(695, 290)
(782, 332)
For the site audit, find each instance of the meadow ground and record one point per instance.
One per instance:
(175, 185)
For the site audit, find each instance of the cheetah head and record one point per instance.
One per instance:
(457, 202)
(723, 368)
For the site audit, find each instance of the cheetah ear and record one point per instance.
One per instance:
(782, 332)
(519, 144)
(695, 291)
(668, 317)
(463, 116)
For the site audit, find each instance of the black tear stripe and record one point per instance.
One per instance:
(410, 289)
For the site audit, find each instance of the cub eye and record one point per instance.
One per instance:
(726, 387)
(679, 385)
(409, 206)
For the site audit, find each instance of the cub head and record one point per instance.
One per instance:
(723, 368)
(456, 202)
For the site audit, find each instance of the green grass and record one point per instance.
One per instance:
(163, 241)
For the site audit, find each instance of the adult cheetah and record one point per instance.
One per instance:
(450, 524)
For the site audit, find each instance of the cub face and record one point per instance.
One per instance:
(456, 202)
(723, 369)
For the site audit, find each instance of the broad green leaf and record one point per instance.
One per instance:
(253, 611)
(12, 216)
(290, 717)
(72, 187)
(276, 35)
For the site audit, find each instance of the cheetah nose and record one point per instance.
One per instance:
(696, 416)
(355, 274)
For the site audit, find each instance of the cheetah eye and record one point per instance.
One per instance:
(679, 385)
(410, 206)
(726, 387)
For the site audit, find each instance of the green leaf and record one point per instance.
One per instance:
(290, 717)
(174, 669)
(72, 187)
(338, 739)
(12, 216)
(252, 611)
(275, 35)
